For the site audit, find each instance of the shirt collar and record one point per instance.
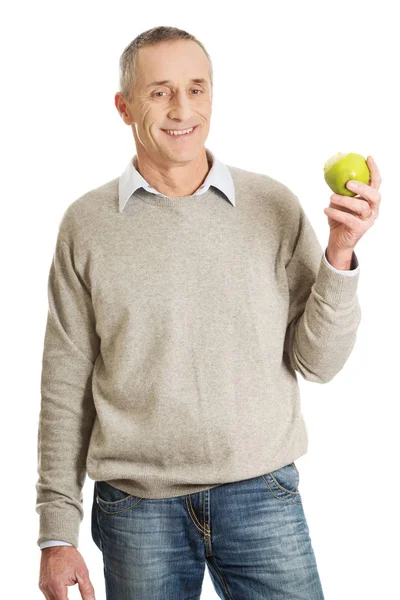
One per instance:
(219, 176)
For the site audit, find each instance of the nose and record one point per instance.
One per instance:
(180, 107)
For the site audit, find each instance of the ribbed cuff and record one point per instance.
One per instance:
(59, 525)
(334, 287)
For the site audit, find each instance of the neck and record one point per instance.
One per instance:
(175, 181)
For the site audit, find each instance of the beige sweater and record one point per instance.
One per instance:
(174, 333)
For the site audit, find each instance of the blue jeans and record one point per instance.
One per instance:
(251, 534)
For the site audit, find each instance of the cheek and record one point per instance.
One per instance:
(147, 116)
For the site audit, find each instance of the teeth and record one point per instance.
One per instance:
(175, 132)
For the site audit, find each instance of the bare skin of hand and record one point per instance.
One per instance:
(61, 566)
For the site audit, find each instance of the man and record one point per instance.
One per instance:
(183, 296)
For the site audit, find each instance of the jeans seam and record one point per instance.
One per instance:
(98, 527)
(193, 516)
(223, 580)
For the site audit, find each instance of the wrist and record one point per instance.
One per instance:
(340, 259)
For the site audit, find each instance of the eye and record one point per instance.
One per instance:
(194, 90)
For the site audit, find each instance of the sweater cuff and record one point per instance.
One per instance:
(59, 525)
(334, 286)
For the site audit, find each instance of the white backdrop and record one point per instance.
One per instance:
(294, 83)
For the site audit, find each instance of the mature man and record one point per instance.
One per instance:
(183, 297)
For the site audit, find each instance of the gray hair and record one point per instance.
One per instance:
(127, 61)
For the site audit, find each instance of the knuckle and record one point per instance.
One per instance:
(83, 574)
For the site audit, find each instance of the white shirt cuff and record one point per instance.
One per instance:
(348, 273)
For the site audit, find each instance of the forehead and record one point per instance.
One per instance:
(177, 61)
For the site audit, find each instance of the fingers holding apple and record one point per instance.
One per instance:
(341, 167)
(375, 179)
(349, 175)
(357, 207)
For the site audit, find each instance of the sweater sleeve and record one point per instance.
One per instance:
(67, 411)
(324, 312)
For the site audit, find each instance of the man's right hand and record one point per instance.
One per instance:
(61, 566)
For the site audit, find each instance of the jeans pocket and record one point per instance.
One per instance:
(284, 483)
(112, 500)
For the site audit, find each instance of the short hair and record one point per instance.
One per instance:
(156, 35)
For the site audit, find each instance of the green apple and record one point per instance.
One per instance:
(341, 167)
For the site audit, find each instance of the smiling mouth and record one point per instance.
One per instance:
(180, 135)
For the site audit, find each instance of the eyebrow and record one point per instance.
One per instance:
(194, 80)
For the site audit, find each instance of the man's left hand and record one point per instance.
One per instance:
(347, 216)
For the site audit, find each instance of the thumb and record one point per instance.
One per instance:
(85, 587)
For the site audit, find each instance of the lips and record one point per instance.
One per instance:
(186, 135)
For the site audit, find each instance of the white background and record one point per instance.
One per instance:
(294, 83)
